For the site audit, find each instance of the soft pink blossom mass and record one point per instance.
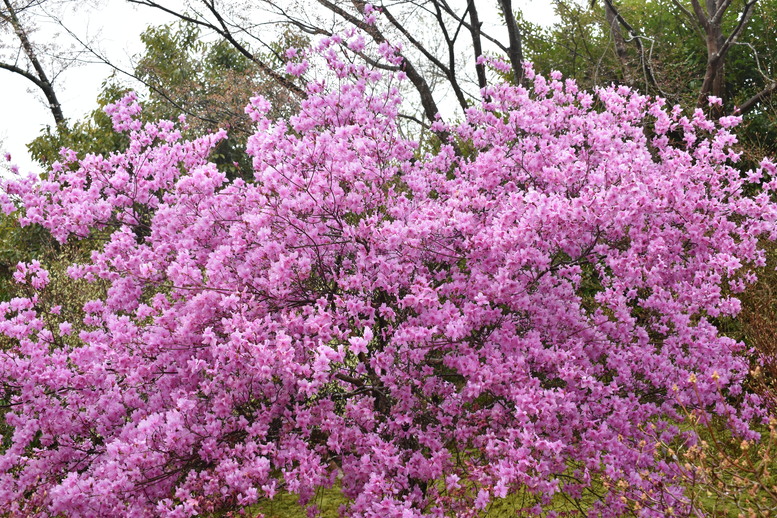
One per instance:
(526, 308)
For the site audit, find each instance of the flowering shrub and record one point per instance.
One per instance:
(525, 309)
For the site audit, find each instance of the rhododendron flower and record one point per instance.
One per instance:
(524, 309)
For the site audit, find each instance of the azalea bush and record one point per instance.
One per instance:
(528, 308)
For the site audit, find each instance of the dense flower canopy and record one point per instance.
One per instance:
(525, 308)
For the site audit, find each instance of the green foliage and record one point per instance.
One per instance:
(286, 505)
(581, 46)
(209, 82)
(93, 135)
(19, 244)
(577, 45)
(186, 75)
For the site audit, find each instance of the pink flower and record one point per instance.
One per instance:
(65, 328)
(493, 303)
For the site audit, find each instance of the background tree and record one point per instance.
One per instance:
(39, 63)
(182, 75)
(442, 40)
(675, 49)
(207, 80)
(679, 49)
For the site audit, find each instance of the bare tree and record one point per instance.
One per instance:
(442, 38)
(20, 55)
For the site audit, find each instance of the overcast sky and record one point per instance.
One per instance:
(116, 26)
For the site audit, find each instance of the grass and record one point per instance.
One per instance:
(286, 505)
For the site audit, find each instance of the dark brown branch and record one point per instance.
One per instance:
(515, 51)
(27, 75)
(448, 71)
(427, 100)
(701, 16)
(350, 379)
(223, 31)
(477, 44)
(264, 67)
(635, 37)
(755, 100)
(42, 81)
(451, 44)
(447, 8)
(619, 42)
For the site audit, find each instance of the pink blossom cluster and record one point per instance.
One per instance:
(525, 309)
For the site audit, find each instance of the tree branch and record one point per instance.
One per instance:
(635, 37)
(701, 16)
(427, 99)
(717, 50)
(720, 11)
(223, 31)
(27, 75)
(477, 44)
(747, 13)
(619, 43)
(448, 71)
(694, 21)
(515, 52)
(755, 100)
(451, 13)
(42, 80)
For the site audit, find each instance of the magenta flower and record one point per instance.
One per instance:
(524, 309)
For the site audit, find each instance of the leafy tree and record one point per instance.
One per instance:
(673, 57)
(431, 332)
(93, 135)
(208, 82)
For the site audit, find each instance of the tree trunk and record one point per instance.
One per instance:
(514, 33)
(620, 44)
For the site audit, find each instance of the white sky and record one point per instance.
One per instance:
(116, 26)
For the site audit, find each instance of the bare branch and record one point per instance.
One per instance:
(447, 70)
(427, 99)
(102, 59)
(223, 31)
(27, 75)
(758, 98)
(42, 81)
(636, 38)
(747, 13)
(477, 44)
(515, 51)
(619, 42)
(450, 12)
